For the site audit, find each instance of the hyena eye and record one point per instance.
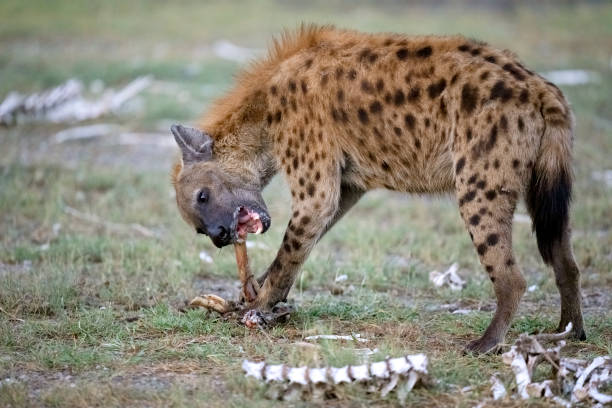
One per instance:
(202, 196)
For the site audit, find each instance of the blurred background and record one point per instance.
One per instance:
(88, 90)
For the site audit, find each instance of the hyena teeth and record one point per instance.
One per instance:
(383, 376)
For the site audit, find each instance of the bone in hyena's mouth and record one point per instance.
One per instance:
(248, 221)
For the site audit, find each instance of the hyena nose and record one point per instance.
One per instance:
(220, 234)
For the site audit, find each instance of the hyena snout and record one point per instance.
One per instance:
(235, 224)
(219, 235)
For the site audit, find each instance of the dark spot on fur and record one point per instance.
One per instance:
(363, 116)
(302, 196)
(515, 163)
(454, 79)
(364, 54)
(464, 48)
(459, 166)
(304, 86)
(277, 116)
(415, 93)
(524, 96)
(491, 59)
(380, 85)
(366, 86)
(469, 98)
(295, 163)
(435, 89)
(292, 86)
(398, 97)
(301, 181)
(481, 248)
(311, 189)
(424, 52)
(339, 72)
(296, 244)
(352, 74)
(375, 107)
(305, 220)
(468, 134)
(503, 123)
(398, 131)
(324, 79)
(402, 53)
(340, 95)
(499, 91)
(492, 139)
(308, 63)
(472, 179)
(385, 166)
(496, 163)
(475, 219)
(481, 184)
(489, 268)
(553, 111)
(427, 122)
(491, 194)
(467, 197)
(514, 71)
(492, 239)
(409, 120)
(443, 110)
(269, 118)
(273, 90)
(283, 100)
(520, 124)
(475, 51)
(317, 176)
(484, 76)
(510, 262)
(417, 143)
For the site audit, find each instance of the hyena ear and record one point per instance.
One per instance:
(195, 144)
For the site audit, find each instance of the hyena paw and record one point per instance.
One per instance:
(483, 345)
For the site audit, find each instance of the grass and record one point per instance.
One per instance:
(95, 316)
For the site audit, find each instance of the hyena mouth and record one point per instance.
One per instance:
(250, 221)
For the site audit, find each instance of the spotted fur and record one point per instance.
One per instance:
(341, 112)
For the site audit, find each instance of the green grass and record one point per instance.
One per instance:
(92, 315)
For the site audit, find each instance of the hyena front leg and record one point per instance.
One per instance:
(487, 209)
(349, 196)
(316, 201)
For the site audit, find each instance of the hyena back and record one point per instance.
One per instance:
(342, 112)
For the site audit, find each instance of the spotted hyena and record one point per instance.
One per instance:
(342, 112)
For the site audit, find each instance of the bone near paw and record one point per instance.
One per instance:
(212, 302)
(250, 288)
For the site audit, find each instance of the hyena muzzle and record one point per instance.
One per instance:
(341, 112)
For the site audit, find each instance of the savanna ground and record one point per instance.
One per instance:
(92, 315)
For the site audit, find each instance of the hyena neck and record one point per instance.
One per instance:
(242, 146)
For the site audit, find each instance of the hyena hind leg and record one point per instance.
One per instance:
(567, 277)
(488, 217)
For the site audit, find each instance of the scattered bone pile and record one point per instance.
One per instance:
(574, 380)
(401, 374)
(66, 103)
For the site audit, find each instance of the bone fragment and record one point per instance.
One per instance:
(250, 287)
(212, 302)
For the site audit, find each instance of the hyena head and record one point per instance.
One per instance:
(217, 203)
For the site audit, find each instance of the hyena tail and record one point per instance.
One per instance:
(549, 193)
